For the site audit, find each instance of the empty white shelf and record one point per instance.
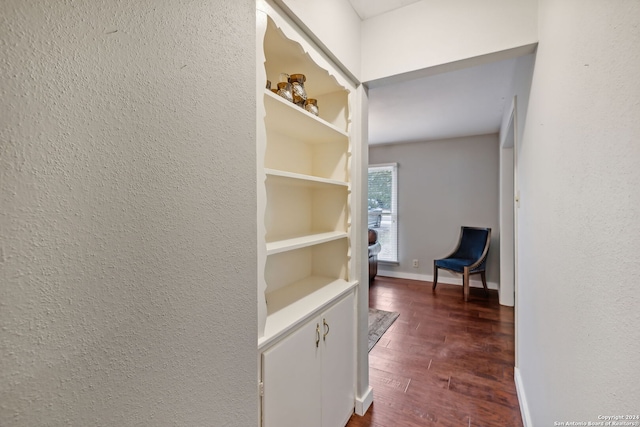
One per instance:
(289, 306)
(291, 178)
(298, 242)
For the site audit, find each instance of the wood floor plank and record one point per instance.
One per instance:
(444, 362)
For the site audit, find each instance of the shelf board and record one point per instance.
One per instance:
(291, 178)
(289, 119)
(289, 306)
(298, 242)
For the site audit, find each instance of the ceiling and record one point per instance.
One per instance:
(464, 102)
(369, 8)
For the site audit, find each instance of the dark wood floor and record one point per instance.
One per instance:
(444, 362)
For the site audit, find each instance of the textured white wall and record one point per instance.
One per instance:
(579, 234)
(434, 32)
(442, 185)
(127, 219)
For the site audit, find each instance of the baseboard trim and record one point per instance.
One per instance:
(522, 399)
(363, 403)
(429, 278)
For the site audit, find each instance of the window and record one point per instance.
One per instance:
(383, 208)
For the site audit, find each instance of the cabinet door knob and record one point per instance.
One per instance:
(326, 329)
(317, 334)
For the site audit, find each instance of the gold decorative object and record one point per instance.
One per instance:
(284, 90)
(311, 105)
(299, 93)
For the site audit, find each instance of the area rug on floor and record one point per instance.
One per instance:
(379, 322)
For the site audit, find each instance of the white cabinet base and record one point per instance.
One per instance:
(309, 376)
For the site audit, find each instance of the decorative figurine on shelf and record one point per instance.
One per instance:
(297, 86)
(311, 105)
(284, 77)
(284, 90)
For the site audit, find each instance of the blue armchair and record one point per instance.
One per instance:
(470, 257)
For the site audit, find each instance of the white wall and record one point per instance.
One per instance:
(512, 126)
(507, 230)
(127, 221)
(520, 88)
(334, 25)
(434, 32)
(442, 185)
(364, 393)
(578, 299)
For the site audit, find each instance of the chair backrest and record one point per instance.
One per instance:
(373, 236)
(473, 241)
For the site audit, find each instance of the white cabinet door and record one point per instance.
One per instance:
(309, 376)
(338, 363)
(291, 376)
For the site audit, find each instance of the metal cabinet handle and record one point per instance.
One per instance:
(317, 335)
(326, 329)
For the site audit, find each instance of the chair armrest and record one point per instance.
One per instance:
(375, 249)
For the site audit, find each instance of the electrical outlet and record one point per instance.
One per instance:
(415, 263)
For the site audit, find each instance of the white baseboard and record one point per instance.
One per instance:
(429, 278)
(364, 402)
(522, 399)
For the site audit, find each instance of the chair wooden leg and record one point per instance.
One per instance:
(465, 284)
(484, 282)
(435, 276)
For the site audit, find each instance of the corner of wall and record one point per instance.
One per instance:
(364, 402)
(522, 399)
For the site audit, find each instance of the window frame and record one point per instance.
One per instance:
(393, 232)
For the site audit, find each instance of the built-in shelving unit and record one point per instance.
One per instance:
(309, 258)
(305, 184)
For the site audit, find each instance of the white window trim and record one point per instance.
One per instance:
(394, 206)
